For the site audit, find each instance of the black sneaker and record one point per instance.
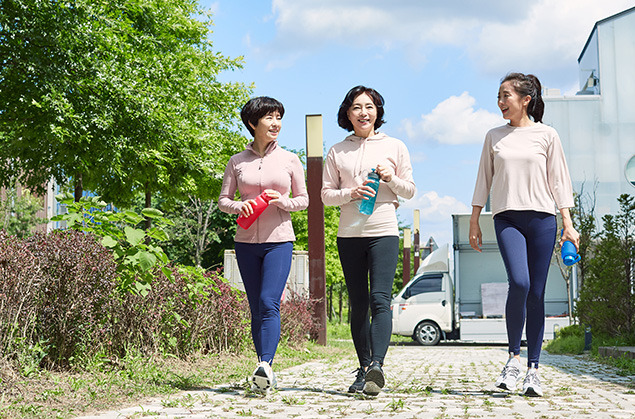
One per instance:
(358, 385)
(375, 379)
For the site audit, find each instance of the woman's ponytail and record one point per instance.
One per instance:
(529, 85)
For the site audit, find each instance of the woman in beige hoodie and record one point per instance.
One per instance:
(368, 245)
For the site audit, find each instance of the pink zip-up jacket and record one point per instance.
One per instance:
(347, 166)
(251, 174)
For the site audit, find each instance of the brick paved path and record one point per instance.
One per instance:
(422, 382)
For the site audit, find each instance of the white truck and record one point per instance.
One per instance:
(459, 294)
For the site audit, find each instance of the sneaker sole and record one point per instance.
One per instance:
(504, 386)
(375, 381)
(530, 392)
(260, 380)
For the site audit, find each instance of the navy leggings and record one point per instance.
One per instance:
(264, 268)
(377, 256)
(526, 240)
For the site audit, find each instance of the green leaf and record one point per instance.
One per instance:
(109, 242)
(134, 236)
(151, 213)
(147, 260)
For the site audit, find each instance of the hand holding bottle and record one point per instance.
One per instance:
(252, 208)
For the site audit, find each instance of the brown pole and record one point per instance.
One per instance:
(406, 256)
(416, 242)
(315, 228)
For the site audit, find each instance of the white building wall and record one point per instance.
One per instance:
(598, 130)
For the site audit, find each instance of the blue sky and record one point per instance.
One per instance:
(437, 64)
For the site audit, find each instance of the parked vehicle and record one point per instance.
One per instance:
(458, 293)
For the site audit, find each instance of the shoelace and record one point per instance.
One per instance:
(360, 373)
(509, 370)
(532, 378)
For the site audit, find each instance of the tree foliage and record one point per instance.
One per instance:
(606, 296)
(116, 96)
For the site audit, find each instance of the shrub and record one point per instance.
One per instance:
(183, 314)
(77, 277)
(296, 318)
(606, 300)
(19, 273)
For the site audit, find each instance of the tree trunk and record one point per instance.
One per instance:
(79, 188)
(148, 204)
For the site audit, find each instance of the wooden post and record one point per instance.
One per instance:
(406, 255)
(416, 243)
(315, 213)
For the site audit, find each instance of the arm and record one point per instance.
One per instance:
(476, 237)
(401, 182)
(331, 193)
(569, 233)
(226, 202)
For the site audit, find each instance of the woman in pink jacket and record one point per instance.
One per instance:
(264, 250)
(368, 245)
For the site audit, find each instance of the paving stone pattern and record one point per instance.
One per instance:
(422, 382)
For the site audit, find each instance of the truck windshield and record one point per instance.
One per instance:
(423, 284)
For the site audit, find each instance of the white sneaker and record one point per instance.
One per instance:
(263, 377)
(509, 375)
(531, 385)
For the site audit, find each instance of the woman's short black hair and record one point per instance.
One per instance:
(378, 100)
(258, 107)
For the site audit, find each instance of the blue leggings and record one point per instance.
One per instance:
(526, 240)
(369, 263)
(264, 268)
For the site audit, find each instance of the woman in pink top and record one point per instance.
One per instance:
(368, 245)
(264, 250)
(523, 165)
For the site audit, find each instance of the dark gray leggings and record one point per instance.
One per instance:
(369, 263)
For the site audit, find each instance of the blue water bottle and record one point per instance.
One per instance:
(367, 205)
(569, 253)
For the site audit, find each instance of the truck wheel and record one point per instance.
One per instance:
(427, 333)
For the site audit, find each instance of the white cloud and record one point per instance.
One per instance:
(435, 208)
(435, 215)
(545, 36)
(549, 37)
(453, 121)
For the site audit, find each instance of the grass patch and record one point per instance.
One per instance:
(107, 385)
(570, 341)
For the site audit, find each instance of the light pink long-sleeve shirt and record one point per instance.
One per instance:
(251, 174)
(525, 168)
(347, 166)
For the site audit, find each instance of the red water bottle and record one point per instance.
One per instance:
(262, 202)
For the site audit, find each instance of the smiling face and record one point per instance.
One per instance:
(512, 105)
(268, 127)
(363, 114)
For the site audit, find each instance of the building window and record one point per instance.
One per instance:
(630, 171)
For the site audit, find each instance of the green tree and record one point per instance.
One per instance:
(120, 97)
(200, 234)
(18, 211)
(334, 276)
(606, 296)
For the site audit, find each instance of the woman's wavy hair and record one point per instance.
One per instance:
(378, 100)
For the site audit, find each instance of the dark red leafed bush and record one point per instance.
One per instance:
(19, 279)
(296, 316)
(59, 292)
(75, 295)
